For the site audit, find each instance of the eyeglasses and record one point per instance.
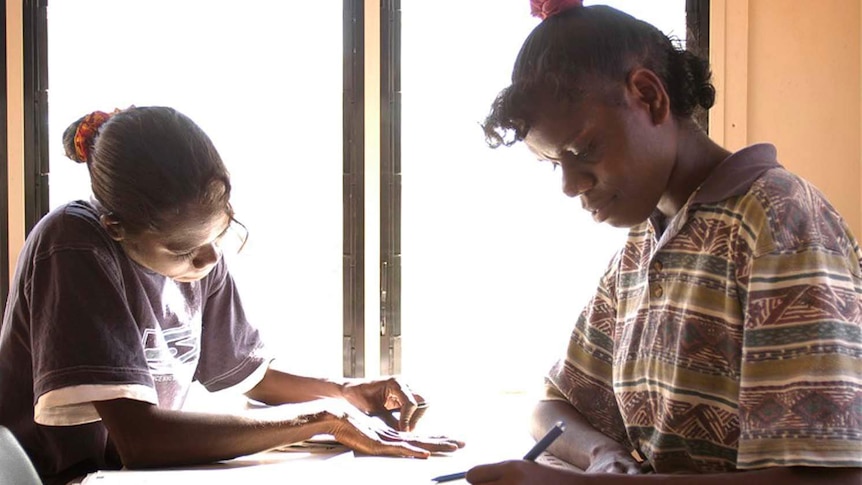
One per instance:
(233, 240)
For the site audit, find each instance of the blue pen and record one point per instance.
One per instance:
(531, 455)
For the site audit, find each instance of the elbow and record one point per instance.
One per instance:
(539, 418)
(268, 390)
(833, 476)
(133, 463)
(135, 453)
(136, 431)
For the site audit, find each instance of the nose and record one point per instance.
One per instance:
(207, 256)
(576, 182)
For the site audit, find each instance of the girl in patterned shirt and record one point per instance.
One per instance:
(723, 342)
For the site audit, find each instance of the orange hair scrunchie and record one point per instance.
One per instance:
(86, 133)
(548, 8)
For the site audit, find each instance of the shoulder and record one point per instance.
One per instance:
(77, 214)
(72, 228)
(75, 224)
(783, 190)
(784, 212)
(798, 213)
(217, 280)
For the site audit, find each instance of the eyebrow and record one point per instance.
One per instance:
(568, 143)
(541, 156)
(559, 155)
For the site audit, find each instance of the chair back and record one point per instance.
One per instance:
(15, 466)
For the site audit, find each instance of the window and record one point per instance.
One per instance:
(497, 262)
(265, 82)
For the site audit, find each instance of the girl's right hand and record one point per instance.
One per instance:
(614, 460)
(368, 435)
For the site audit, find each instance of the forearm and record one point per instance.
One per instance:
(580, 443)
(146, 436)
(784, 476)
(279, 387)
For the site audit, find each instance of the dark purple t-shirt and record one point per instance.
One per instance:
(85, 323)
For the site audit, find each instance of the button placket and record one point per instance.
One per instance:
(656, 290)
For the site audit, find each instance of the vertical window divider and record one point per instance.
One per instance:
(36, 164)
(353, 194)
(4, 176)
(390, 187)
(697, 41)
(34, 136)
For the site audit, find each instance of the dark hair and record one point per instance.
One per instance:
(149, 163)
(588, 47)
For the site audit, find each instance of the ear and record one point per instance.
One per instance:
(113, 227)
(647, 90)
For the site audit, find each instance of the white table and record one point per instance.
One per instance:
(490, 438)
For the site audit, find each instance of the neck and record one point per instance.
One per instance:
(697, 156)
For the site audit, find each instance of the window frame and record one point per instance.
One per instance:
(354, 196)
(390, 187)
(4, 176)
(36, 162)
(697, 41)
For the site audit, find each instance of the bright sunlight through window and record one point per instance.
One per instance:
(497, 262)
(265, 82)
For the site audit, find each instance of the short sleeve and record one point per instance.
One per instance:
(232, 353)
(585, 375)
(800, 401)
(83, 336)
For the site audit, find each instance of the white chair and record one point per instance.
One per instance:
(15, 466)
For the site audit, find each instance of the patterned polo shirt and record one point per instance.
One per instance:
(732, 340)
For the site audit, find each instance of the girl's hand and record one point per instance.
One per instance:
(615, 460)
(521, 472)
(364, 434)
(382, 398)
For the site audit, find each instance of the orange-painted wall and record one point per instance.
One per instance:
(788, 72)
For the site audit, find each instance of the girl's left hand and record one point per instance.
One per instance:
(520, 472)
(384, 397)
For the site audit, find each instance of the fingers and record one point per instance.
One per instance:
(619, 462)
(389, 419)
(370, 442)
(411, 406)
(409, 424)
(430, 443)
(401, 449)
(398, 395)
(485, 473)
(367, 435)
(439, 445)
(382, 398)
(519, 472)
(433, 445)
(394, 420)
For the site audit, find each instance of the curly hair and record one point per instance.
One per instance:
(583, 48)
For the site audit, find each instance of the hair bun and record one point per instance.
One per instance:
(548, 8)
(85, 135)
(706, 95)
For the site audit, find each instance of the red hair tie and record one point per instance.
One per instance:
(86, 133)
(548, 8)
